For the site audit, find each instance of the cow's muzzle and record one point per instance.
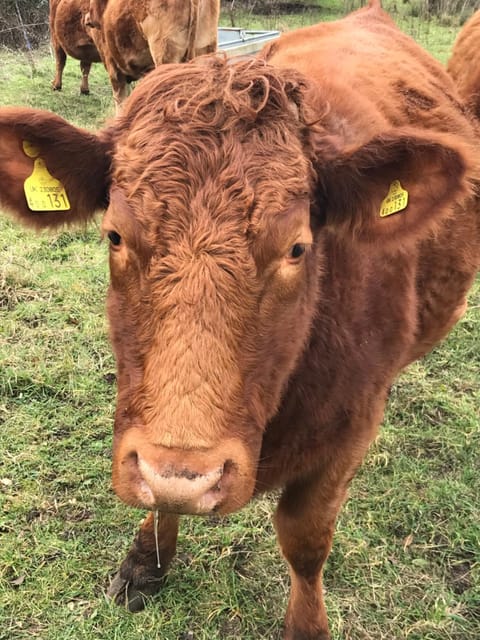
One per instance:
(191, 481)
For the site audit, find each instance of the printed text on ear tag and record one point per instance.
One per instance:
(396, 200)
(43, 191)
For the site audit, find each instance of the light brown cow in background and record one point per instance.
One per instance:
(136, 36)
(464, 65)
(69, 36)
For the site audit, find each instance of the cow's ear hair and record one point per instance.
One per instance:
(77, 161)
(392, 190)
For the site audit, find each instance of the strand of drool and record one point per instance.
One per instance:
(155, 533)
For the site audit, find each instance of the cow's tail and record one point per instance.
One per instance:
(374, 4)
(192, 28)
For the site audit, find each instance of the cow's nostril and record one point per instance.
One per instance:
(213, 498)
(132, 458)
(228, 467)
(129, 479)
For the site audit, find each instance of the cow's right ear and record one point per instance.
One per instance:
(394, 189)
(51, 173)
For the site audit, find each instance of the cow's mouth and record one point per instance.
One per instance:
(186, 492)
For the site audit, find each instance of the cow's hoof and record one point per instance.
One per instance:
(56, 87)
(130, 595)
(85, 92)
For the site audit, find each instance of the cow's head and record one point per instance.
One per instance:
(219, 192)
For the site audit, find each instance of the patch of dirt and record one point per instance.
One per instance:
(231, 628)
(11, 296)
(241, 559)
(110, 378)
(460, 577)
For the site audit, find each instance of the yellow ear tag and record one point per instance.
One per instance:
(42, 190)
(396, 200)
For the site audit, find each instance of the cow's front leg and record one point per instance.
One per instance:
(140, 574)
(305, 522)
(60, 61)
(119, 85)
(85, 70)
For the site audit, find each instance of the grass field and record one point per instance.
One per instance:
(406, 559)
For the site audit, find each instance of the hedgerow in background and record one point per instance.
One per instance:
(23, 23)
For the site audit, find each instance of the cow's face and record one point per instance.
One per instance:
(213, 285)
(220, 191)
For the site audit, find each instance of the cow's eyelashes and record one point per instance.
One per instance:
(296, 251)
(115, 238)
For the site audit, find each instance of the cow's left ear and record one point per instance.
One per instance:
(51, 173)
(392, 190)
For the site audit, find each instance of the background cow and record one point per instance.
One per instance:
(69, 36)
(286, 234)
(464, 64)
(133, 37)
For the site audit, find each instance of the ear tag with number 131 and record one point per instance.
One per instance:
(42, 191)
(396, 200)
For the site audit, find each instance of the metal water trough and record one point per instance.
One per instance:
(241, 42)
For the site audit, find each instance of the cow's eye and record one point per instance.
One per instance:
(296, 251)
(114, 238)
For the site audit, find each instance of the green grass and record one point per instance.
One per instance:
(435, 35)
(406, 559)
(31, 87)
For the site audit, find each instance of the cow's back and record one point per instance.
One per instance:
(408, 87)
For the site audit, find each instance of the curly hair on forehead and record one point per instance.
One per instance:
(211, 91)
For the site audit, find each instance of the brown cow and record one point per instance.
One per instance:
(286, 234)
(69, 36)
(134, 37)
(464, 64)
